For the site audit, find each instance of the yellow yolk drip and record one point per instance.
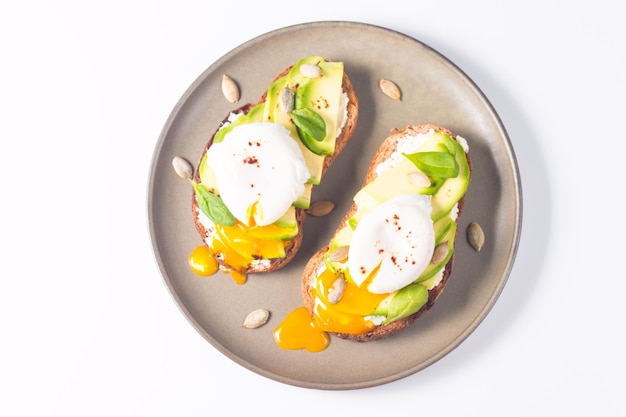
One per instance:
(299, 331)
(239, 246)
(240, 278)
(202, 262)
(230, 256)
(347, 315)
(269, 232)
(249, 247)
(254, 211)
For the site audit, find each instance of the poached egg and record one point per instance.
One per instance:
(392, 244)
(259, 172)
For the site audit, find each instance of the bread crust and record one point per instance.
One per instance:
(293, 245)
(310, 270)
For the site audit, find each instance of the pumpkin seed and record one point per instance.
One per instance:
(475, 236)
(390, 89)
(310, 70)
(256, 318)
(440, 252)
(321, 208)
(182, 167)
(340, 254)
(418, 178)
(335, 292)
(230, 89)
(285, 100)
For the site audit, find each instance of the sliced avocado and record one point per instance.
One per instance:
(304, 200)
(207, 176)
(390, 184)
(307, 92)
(254, 115)
(397, 180)
(406, 301)
(314, 162)
(288, 220)
(342, 238)
(323, 96)
(273, 232)
(275, 114)
(438, 142)
(311, 129)
(445, 231)
(272, 111)
(445, 192)
(286, 227)
(383, 307)
(452, 189)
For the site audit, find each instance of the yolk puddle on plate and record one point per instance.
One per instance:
(299, 331)
(202, 263)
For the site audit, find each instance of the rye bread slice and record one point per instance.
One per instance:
(310, 270)
(294, 244)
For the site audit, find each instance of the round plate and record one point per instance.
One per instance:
(434, 91)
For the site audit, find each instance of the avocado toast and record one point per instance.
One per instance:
(314, 104)
(392, 254)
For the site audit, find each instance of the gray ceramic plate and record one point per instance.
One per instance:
(434, 91)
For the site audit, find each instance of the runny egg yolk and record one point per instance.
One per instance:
(301, 330)
(348, 315)
(248, 247)
(202, 262)
(239, 245)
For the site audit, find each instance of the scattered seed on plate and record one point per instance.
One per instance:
(321, 208)
(230, 89)
(390, 89)
(475, 236)
(182, 167)
(256, 318)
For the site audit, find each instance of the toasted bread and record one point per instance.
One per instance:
(313, 266)
(293, 245)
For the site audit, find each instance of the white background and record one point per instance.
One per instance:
(87, 325)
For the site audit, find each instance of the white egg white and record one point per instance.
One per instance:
(396, 237)
(259, 172)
